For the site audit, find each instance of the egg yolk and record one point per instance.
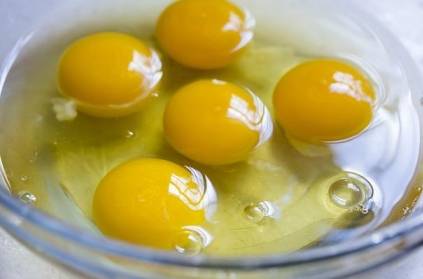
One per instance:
(150, 201)
(215, 123)
(204, 34)
(109, 74)
(324, 101)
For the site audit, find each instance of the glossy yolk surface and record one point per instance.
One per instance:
(148, 202)
(109, 74)
(213, 122)
(323, 101)
(204, 34)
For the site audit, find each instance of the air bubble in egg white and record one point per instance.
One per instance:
(24, 178)
(129, 134)
(260, 211)
(27, 197)
(352, 192)
(192, 240)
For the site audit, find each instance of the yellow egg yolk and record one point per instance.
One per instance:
(151, 201)
(215, 123)
(109, 74)
(324, 101)
(204, 34)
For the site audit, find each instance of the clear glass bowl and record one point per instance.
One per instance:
(349, 30)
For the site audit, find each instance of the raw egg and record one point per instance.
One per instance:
(152, 202)
(109, 74)
(215, 122)
(324, 101)
(204, 34)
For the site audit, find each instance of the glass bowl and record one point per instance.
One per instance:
(340, 27)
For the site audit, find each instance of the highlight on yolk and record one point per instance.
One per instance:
(152, 202)
(324, 101)
(109, 74)
(204, 34)
(215, 122)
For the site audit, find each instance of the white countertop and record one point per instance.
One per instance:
(404, 18)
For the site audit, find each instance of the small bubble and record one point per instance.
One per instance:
(254, 213)
(189, 242)
(352, 192)
(27, 197)
(345, 193)
(129, 134)
(24, 178)
(258, 212)
(155, 95)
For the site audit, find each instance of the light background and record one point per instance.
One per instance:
(404, 18)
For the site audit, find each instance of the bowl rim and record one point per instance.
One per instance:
(401, 229)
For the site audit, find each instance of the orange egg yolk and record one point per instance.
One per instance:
(204, 34)
(216, 123)
(109, 74)
(324, 101)
(150, 202)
